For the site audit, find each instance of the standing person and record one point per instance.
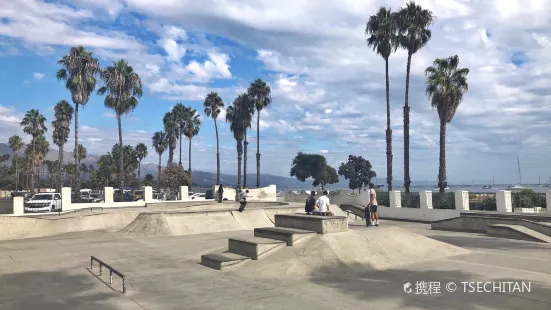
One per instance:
(220, 193)
(373, 206)
(310, 203)
(323, 204)
(243, 200)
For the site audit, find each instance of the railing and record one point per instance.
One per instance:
(411, 200)
(482, 201)
(111, 272)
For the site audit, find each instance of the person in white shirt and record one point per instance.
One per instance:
(322, 205)
(243, 199)
(373, 206)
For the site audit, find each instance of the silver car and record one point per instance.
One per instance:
(44, 202)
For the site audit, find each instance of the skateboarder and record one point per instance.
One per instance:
(243, 200)
(373, 206)
(310, 203)
(220, 193)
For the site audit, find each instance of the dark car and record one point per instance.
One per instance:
(126, 197)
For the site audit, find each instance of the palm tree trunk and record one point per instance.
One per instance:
(159, 170)
(180, 162)
(388, 132)
(60, 168)
(77, 161)
(245, 147)
(189, 160)
(442, 180)
(121, 158)
(258, 149)
(239, 156)
(33, 164)
(217, 155)
(16, 174)
(139, 169)
(407, 180)
(170, 154)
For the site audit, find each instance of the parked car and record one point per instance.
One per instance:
(126, 197)
(197, 196)
(138, 195)
(44, 202)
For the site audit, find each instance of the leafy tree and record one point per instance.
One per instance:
(172, 131)
(148, 180)
(106, 168)
(62, 123)
(260, 93)
(313, 166)
(213, 105)
(141, 153)
(446, 85)
(160, 144)
(413, 25)
(79, 70)
(383, 38)
(191, 129)
(130, 161)
(238, 116)
(173, 176)
(357, 170)
(124, 87)
(16, 143)
(34, 124)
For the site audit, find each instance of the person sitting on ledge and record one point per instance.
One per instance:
(322, 205)
(310, 203)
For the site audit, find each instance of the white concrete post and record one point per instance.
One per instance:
(18, 205)
(108, 194)
(184, 193)
(503, 202)
(425, 199)
(462, 200)
(147, 194)
(66, 199)
(395, 199)
(548, 201)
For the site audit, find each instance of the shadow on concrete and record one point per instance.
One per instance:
(388, 286)
(485, 242)
(53, 290)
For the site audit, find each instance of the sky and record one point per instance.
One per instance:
(327, 85)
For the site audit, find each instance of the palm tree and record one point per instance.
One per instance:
(141, 153)
(248, 120)
(33, 124)
(237, 115)
(37, 155)
(260, 94)
(123, 87)
(212, 104)
(191, 129)
(62, 123)
(16, 143)
(382, 31)
(413, 22)
(172, 131)
(179, 117)
(446, 84)
(79, 70)
(160, 144)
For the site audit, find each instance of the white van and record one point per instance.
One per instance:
(44, 202)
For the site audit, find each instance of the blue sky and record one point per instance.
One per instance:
(327, 86)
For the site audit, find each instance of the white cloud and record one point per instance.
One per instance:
(109, 115)
(324, 151)
(38, 75)
(86, 128)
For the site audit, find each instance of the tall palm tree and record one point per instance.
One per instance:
(213, 104)
(413, 25)
(382, 31)
(446, 84)
(16, 143)
(34, 124)
(260, 94)
(79, 70)
(179, 116)
(237, 115)
(160, 144)
(191, 129)
(141, 153)
(37, 155)
(124, 87)
(62, 126)
(249, 106)
(172, 131)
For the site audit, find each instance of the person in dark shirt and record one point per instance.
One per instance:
(220, 193)
(310, 203)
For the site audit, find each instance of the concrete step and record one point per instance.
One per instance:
(223, 261)
(291, 236)
(516, 232)
(254, 247)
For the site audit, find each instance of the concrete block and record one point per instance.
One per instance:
(183, 194)
(504, 202)
(395, 199)
(18, 205)
(148, 194)
(425, 198)
(66, 204)
(317, 223)
(462, 200)
(548, 201)
(108, 195)
(223, 261)
(254, 247)
(289, 235)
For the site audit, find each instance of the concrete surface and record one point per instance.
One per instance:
(317, 223)
(164, 273)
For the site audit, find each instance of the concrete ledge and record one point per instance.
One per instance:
(317, 223)
(516, 232)
(290, 235)
(224, 261)
(254, 247)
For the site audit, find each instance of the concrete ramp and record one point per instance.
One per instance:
(251, 219)
(152, 224)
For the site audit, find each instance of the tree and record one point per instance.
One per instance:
(160, 144)
(106, 168)
(383, 38)
(237, 115)
(179, 117)
(313, 166)
(141, 153)
(79, 70)
(260, 94)
(247, 120)
(173, 176)
(191, 129)
(16, 143)
(148, 180)
(357, 170)
(446, 84)
(34, 124)
(124, 87)
(413, 22)
(213, 105)
(37, 154)
(129, 164)
(172, 131)
(62, 123)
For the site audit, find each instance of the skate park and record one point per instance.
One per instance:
(271, 256)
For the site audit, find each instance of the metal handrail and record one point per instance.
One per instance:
(111, 271)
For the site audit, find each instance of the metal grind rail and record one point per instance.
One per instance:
(111, 271)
